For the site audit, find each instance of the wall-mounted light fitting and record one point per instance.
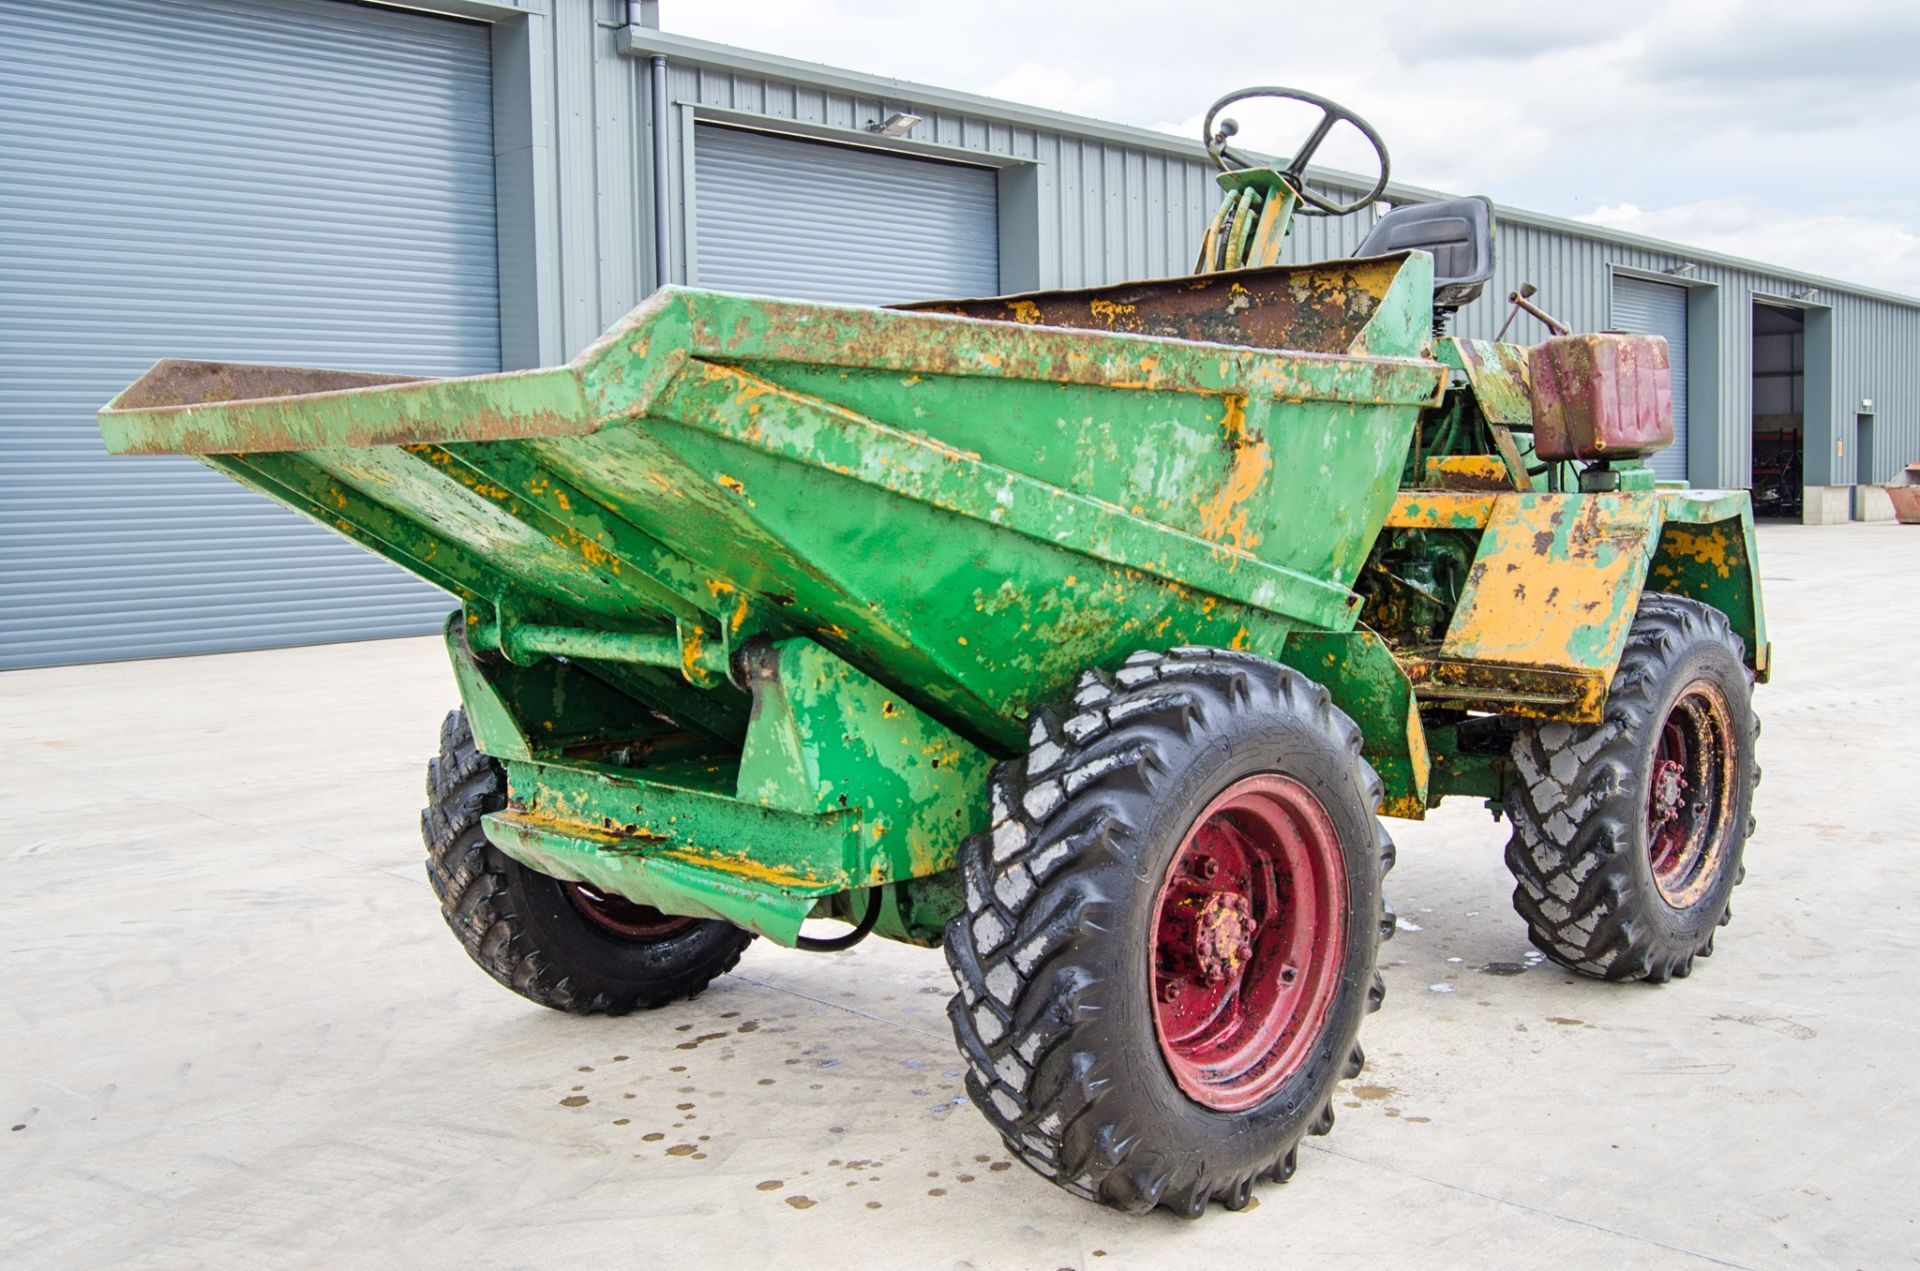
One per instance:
(898, 124)
(1806, 293)
(1682, 270)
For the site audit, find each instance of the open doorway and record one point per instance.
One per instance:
(1779, 410)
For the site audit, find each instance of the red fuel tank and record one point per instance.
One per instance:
(1601, 396)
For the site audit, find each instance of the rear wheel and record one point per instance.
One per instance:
(563, 945)
(1170, 931)
(1628, 834)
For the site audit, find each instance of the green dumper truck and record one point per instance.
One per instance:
(1084, 634)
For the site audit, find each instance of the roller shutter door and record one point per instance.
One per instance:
(302, 181)
(1653, 308)
(780, 216)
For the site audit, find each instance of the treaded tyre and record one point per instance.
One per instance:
(556, 943)
(1170, 930)
(1628, 834)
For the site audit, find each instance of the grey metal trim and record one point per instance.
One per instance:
(1707, 460)
(853, 137)
(472, 10)
(686, 240)
(523, 193)
(662, 199)
(1819, 421)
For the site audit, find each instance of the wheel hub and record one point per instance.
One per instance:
(1669, 790)
(1223, 937)
(624, 917)
(1690, 790)
(1249, 936)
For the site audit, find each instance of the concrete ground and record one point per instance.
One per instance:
(236, 1033)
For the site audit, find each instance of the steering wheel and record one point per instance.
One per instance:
(1331, 114)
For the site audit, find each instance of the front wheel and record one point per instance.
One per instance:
(561, 944)
(1170, 931)
(1628, 834)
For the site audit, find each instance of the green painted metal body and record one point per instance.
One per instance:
(754, 592)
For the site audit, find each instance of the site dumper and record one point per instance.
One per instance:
(1083, 633)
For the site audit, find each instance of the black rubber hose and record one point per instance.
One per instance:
(833, 944)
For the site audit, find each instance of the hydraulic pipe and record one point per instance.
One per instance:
(525, 643)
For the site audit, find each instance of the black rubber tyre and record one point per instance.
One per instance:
(525, 929)
(1588, 886)
(1055, 1011)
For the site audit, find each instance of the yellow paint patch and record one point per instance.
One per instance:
(693, 644)
(1439, 509)
(1223, 518)
(1707, 545)
(744, 867)
(1555, 582)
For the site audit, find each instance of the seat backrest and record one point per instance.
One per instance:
(1459, 233)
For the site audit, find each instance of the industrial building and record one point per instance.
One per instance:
(461, 186)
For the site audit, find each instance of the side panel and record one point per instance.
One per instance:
(1555, 583)
(1714, 561)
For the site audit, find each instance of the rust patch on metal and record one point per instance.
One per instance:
(181, 382)
(1311, 308)
(1468, 472)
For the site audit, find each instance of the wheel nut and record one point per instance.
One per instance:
(1206, 866)
(1170, 991)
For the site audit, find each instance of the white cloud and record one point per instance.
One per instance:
(1877, 251)
(1057, 88)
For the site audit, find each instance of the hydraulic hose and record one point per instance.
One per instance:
(834, 944)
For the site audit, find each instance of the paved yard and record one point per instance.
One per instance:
(236, 1033)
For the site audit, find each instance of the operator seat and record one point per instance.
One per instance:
(1459, 233)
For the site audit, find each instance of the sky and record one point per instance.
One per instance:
(1782, 130)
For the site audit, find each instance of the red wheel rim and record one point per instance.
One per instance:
(1248, 940)
(625, 918)
(1690, 787)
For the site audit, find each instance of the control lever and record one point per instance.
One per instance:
(1523, 300)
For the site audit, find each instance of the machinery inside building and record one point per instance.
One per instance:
(1779, 409)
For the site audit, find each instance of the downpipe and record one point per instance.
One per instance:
(646, 15)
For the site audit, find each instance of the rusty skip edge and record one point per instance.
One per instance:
(184, 407)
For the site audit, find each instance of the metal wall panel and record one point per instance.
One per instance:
(302, 181)
(787, 217)
(1653, 308)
